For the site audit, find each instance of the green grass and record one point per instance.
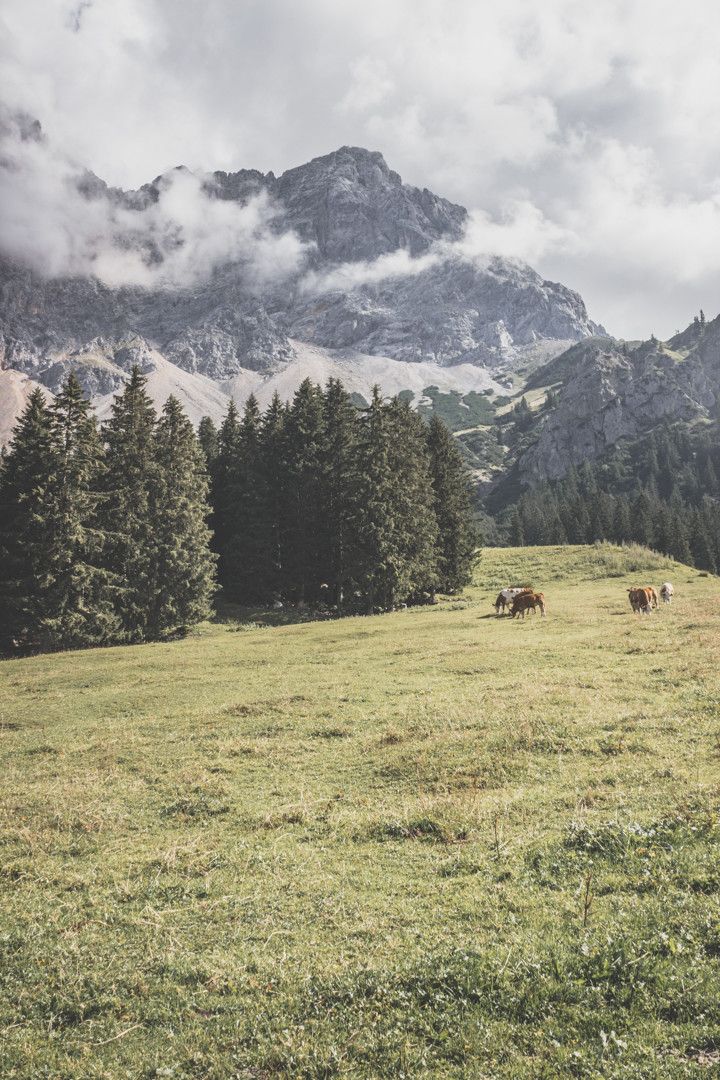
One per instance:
(459, 411)
(434, 843)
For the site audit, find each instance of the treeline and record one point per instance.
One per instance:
(103, 536)
(662, 491)
(319, 502)
(122, 533)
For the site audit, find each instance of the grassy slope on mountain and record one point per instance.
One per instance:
(430, 843)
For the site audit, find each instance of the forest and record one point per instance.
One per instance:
(661, 491)
(134, 530)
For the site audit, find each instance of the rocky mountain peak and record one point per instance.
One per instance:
(350, 209)
(353, 207)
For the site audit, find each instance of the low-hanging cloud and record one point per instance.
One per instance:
(353, 275)
(522, 233)
(62, 223)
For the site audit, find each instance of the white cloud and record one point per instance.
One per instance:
(352, 275)
(48, 223)
(584, 136)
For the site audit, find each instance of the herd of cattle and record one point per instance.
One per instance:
(519, 599)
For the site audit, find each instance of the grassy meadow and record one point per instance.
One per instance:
(434, 843)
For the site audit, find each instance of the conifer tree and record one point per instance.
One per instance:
(417, 528)
(182, 567)
(223, 472)
(129, 479)
(339, 554)
(457, 538)
(274, 481)
(398, 529)
(78, 597)
(26, 483)
(208, 439)
(517, 533)
(304, 441)
(245, 550)
(622, 525)
(378, 558)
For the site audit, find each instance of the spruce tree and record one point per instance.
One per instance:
(622, 521)
(339, 554)
(78, 596)
(26, 484)
(208, 439)
(399, 529)
(304, 441)
(182, 567)
(274, 480)
(457, 538)
(517, 532)
(245, 549)
(128, 481)
(223, 472)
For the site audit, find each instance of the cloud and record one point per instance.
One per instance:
(353, 275)
(62, 223)
(521, 233)
(583, 136)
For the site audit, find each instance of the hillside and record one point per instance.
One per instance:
(433, 843)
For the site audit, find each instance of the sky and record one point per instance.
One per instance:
(583, 138)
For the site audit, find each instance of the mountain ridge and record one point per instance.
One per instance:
(382, 272)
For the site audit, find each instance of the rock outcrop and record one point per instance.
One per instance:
(615, 392)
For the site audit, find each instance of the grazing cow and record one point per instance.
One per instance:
(506, 596)
(666, 592)
(640, 599)
(526, 601)
(653, 596)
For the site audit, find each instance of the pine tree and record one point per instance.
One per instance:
(417, 527)
(517, 532)
(457, 538)
(128, 481)
(245, 550)
(78, 598)
(226, 523)
(339, 493)
(274, 486)
(304, 441)
(622, 525)
(26, 483)
(643, 520)
(208, 439)
(398, 527)
(182, 567)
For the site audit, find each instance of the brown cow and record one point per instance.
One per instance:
(653, 596)
(524, 602)
(506, 596)
(640, 599)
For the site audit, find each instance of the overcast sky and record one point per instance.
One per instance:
(585, 136)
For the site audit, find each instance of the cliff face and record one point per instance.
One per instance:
(350, 211)
(615, 393)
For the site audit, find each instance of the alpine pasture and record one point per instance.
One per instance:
(432, 843)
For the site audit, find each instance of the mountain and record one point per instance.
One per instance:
(598, 395)
(621, 394)
(381, 272)
(15, 391)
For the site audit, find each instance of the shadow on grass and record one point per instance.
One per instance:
(230, 615)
